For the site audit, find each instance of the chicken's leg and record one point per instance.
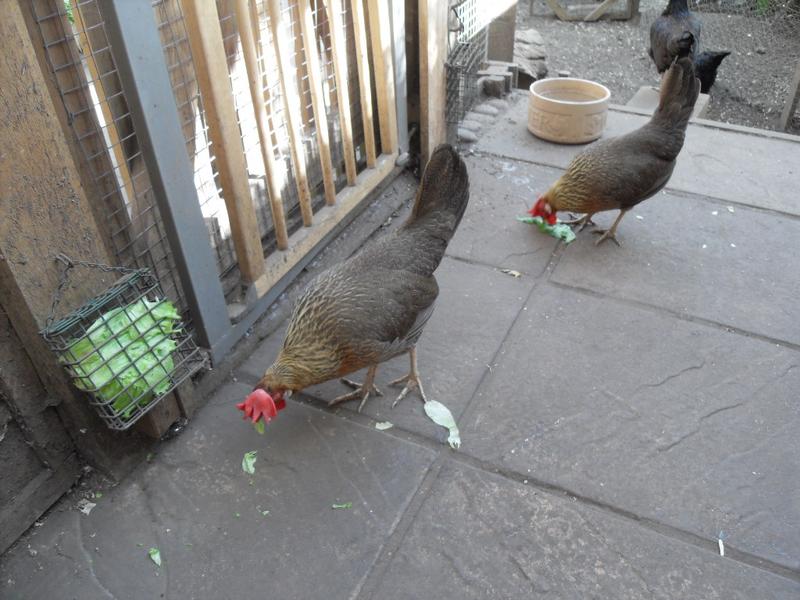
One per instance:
(610, 234)
(411, 380)
(361, 391)
(581, 222)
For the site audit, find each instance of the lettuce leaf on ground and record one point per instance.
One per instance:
(560, 231)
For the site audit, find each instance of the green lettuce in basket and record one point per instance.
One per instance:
(144, 328)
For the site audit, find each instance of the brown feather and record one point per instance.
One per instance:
(374, 306)
(621, 172)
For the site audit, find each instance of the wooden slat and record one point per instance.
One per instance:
(381, 34)
(205, 38)
(556, 7)
(339, 51)
(599, 11)
(113, 141)
(362, 61)
(255, 80)
(291, 105)
(302, 86)
(432, 80)
(328, 219)
(317, 100)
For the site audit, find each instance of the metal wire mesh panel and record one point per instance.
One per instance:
(77, 52)
(125, 348)
(466, 52)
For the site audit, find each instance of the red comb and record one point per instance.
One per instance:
(538, 211)
(260, 404)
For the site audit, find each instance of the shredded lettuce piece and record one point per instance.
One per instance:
(560, 231)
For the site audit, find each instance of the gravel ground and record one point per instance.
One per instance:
(752, 83)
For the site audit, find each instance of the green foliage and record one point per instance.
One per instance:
(68, 9)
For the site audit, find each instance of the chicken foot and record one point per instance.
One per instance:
(611, 233)
(411, 381)
(361, 391)
(581, 222)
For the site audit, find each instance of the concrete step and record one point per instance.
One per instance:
(647, 98)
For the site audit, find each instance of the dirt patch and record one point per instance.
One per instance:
(752, 83)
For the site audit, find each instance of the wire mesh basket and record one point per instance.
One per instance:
(126, 348)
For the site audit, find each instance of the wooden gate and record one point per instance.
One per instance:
(37, 457)
(225, 140)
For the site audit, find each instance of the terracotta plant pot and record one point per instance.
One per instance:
(567, 110)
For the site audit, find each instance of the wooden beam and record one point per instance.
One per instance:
(792, 98)
(317, 99)
(35, 498)
(383, 65)
(432, 76)
(208, 52)
(333, 9)
(599, 11)
(255, 79)
(362, 62)
(291, 106)
(558, 9)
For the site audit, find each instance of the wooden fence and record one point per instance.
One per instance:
(286, 110)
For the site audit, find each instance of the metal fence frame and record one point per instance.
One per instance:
(143, 73)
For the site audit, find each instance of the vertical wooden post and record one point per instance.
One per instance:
(211, 69)
(291, 105)
(317, 100)
(254, 78)
(362, 62)
(333, 9)
(792, 98)
(432, 77)
(381, 34)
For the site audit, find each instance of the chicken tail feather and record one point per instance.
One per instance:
(443, 194)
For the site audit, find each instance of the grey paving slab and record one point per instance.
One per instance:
(500, 191)
(678, 422)
(480, 536)
(739, 268)
(475, 309)
(204, 513)
(731, 165)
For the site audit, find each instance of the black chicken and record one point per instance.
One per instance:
(676, 33)
(705, 67)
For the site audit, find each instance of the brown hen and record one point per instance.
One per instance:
(374, 306)
(621, 172)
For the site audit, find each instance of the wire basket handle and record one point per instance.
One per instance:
(67, 265)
